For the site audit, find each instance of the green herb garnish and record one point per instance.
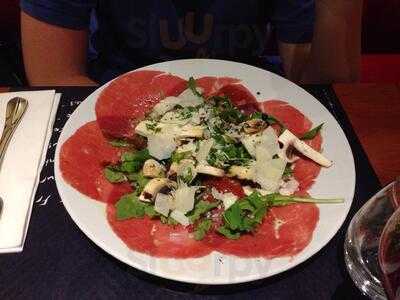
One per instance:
(246, 214)
(312, 133)
(201, 208)
(192, 85)
(129, 206)
(178, 156)
(202, 229)
(113, 175)
(119, 143)
(139, 181)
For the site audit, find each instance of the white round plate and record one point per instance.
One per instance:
(337, 181)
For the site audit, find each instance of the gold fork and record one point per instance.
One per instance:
(15, 110)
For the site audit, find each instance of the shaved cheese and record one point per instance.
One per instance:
(204, 149)
(269, 173)
(161, 146)
(174, 117)
(180, 217)
(162, 204)
(228, 199)
(250, 142)
(184, 198)
(189, 99)
(268, 145)
(165, 105)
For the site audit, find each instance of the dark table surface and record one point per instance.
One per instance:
(60, 262)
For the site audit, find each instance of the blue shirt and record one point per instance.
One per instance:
(127, 34)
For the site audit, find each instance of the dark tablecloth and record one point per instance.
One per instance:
(60, 262)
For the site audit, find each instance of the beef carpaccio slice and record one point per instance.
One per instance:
(285, 231)
(231, 87)
(156, 239)
(128, 98)
(82, 159)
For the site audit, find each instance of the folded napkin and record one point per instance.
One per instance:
(19, 175)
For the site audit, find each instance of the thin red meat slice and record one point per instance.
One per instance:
(111, 192)
(211, 85)
(135, 233)
(83, 156)
(286, 231)
(127, 99)
(238, 94)
(157, 239)
(291, 117)
(225, 185)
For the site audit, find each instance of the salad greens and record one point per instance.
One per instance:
(312, 133)
(218, 137)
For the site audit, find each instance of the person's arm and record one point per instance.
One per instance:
(335, 52)
(53, 55)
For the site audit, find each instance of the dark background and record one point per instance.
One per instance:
(381, 35)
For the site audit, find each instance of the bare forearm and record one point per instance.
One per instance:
(53, 55)
(336, 46)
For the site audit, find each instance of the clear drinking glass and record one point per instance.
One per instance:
(362, 240)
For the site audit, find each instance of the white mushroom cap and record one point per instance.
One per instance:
(287, 138)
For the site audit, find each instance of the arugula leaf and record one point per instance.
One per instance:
(131, 166)
(225, 110)
(200, 209)
(232, 216)
(113, 175)
(312, 133)
(247, 213)
(288, 170)
(202, 229)
(139, 180)
(228, 155)
(178, 156)
(140, 156)
(150, 211)
(256, 115)
(129, 206)
(132, 162)
(228, 233)
(192, 85)
(119, 143)
(168, 220)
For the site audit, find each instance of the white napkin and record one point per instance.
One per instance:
(19, 175)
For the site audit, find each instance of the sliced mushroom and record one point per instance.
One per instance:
(288, 139)
(153, 169)
(254, 126)
(154, 186)
(210, 170)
